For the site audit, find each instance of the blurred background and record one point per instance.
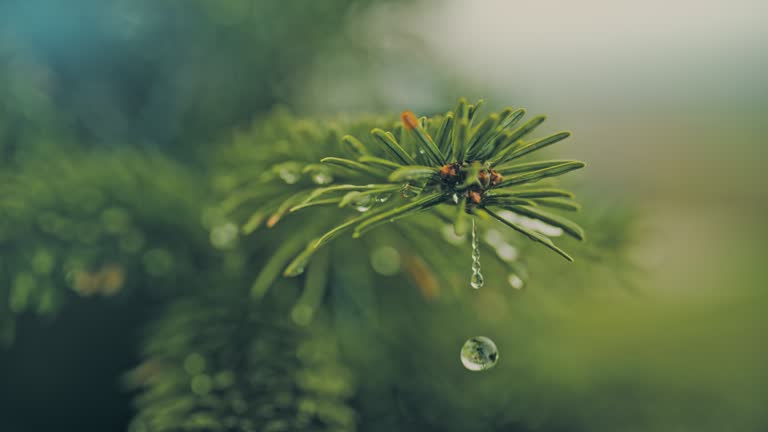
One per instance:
(667, 102)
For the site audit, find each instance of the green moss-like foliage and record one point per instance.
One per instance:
(225, 365)
(100, 224)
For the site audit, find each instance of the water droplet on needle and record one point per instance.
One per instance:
(363, 203)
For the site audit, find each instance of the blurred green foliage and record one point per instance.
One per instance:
(99, 223)
(133, 175)
(399, 297)
(171, 74)
(219, 364)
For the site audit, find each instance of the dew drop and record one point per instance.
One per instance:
(479, 353)
(477, 277)
(407, 191)
(322, 176)
(515, 281)
(455, 198)
(289, 172)
(362, 203)
(382, 198)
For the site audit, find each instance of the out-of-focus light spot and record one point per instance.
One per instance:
(423, 277)
(449, 234)
(132, 240)
(115, 220)
(83, 282)
(307, 406)
(23, 285)
(493, 237)
(107, 281)
(532, 224)
(43, 262)
(239, 406)
(112, 279)
(194, 364)
(515, 281)
(506, 252)
(224, 236)
(158, 262)
(302, 314)
(201, 384)
(385, 261)
(224, 379)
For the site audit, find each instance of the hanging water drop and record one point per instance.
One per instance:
(362, 203)
(479, 353)
(477, 277)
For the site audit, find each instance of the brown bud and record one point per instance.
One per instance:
(409, 120)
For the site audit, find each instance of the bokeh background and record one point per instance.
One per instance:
(667, 101)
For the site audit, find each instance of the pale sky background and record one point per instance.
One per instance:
(667, 101)
(673, 90)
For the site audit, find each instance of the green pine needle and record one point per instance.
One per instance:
(478, 171)
(422, 164)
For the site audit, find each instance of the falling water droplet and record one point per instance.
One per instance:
(455, 198)
(362, 203)
(515, 281)
(477, 277)
(382, 198)
(479, 353)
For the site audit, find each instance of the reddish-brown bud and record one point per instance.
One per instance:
(496, 178)
(409, 120)
(448, 171)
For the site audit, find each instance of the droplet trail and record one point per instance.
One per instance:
(477, 280)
